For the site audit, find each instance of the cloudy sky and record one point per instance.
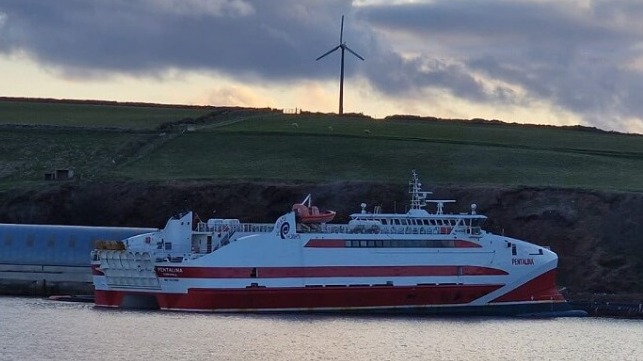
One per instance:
(529, 61)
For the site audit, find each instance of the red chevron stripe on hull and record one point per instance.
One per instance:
(541, 288)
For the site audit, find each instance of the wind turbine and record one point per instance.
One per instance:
(342, 45)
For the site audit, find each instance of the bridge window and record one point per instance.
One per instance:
(477, 222)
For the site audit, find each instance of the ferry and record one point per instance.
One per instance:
(424, 261)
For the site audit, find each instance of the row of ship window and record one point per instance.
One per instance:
(411, 243)
(415, 222)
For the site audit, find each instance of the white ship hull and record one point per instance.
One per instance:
(428, 263)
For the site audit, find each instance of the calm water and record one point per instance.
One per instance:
(36, 329)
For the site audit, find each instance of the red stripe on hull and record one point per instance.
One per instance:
(326, 243)
(541, 288)
(325, 271)
(108, 298)
(466, 244)
(308, 298)
(482, 271)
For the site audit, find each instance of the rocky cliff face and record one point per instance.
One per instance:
(598, 235)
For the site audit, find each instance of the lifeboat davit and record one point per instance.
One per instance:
(308, 213)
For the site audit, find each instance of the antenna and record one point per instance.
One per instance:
(418, 197)
(342, 45)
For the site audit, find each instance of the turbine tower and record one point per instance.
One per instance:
(342, 45)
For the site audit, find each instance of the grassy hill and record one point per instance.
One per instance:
(111, 141)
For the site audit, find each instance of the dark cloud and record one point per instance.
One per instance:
(571, 56)
(252, 38)
(405, 77)
(491, 22)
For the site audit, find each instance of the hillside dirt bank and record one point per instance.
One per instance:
(598, 235)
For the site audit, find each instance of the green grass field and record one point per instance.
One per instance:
(92, 115)
(253, 145)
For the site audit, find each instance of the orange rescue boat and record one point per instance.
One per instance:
(307, 213)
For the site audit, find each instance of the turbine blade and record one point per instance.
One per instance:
(352, 52)
(341, 32)
(328, 52)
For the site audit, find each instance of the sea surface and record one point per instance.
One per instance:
(40, 329)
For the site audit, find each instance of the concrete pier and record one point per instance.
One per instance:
(32, 280)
